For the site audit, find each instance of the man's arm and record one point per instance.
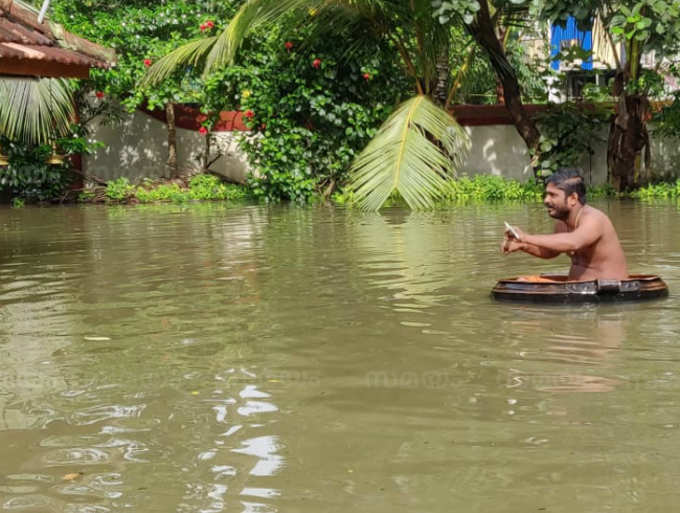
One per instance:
(583, 236)
(510, 246)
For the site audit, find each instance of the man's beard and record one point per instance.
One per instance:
(561, 213)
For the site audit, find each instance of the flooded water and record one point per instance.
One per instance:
(208, 358)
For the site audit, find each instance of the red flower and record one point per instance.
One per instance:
(367, 76)
(203, 130)
(209, 24)
(288, 45)
(316, 63)
(249, 114)
(99, 94)
(148, 62)
(203, 27)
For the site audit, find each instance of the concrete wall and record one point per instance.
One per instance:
(499, 150)
(138, 149)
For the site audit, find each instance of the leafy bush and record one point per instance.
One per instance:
(664, 190)
(164, 192)
(568, 132)
(119, 189)
(28, 175)
(310, 108)
(201, 188)
(492, 188)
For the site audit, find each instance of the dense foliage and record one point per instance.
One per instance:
(141, 32)
(310, 106)
(569, 133)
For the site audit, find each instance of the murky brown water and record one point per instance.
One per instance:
(256, 359)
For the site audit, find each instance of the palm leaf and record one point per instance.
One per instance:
(252, 14)
(187, 54)
(35, 111)
(414, 152)
(221, 49)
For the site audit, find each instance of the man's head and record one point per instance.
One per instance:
(564, 191)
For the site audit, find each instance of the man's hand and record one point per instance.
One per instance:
(511, 245)
(510, 235)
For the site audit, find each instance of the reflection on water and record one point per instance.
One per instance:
(207, 358)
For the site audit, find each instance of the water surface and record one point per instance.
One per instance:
(260, 359)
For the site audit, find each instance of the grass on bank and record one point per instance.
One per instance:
(479, 188)
(489, 188)
(199, 188)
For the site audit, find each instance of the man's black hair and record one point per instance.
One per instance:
(569, 180)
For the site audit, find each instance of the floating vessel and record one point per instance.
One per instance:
(555, 288)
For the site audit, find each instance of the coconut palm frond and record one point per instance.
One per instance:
(414, 152)
(188, 54)
(252, 14)
(35, 111)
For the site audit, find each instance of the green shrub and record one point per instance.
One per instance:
(568, 132)
(206, 187)
(164, 192)
(201, 187)
(28, 175)
(308, 120)
(492, 188)
(119, 189)
(664, 190)
(86, 196)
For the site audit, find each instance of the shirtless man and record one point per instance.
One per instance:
(583, 232)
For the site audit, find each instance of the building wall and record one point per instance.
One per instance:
(138, 149)
(499, 150)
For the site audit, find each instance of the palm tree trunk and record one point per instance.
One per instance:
(172, 140)
(484, 32)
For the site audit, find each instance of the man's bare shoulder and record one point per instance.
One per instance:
(595, 214)
(592, 211)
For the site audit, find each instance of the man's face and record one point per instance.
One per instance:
(556, 202)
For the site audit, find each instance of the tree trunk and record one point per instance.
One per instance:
(484, 33)
(500, 92)
(628, 135)
(205, 164)
(441, 88)
(172, 140)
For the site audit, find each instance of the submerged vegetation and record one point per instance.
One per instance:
(198, 188)
(478, 188)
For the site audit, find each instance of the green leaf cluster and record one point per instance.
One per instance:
(200, 188)
(569, 133)
(663, 190)
(28, 176)
(308, 123)
(492, 188)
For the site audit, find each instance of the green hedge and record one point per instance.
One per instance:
(200, 188)
(479, 188)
